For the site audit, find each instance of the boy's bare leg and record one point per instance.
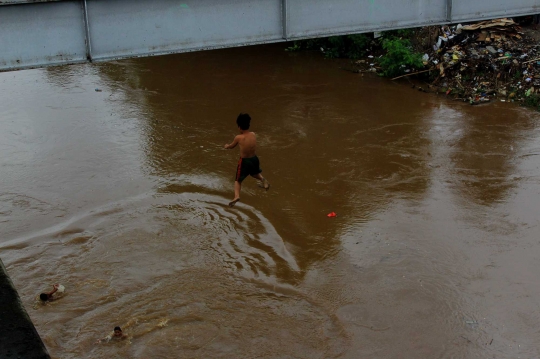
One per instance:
(264, 183)
(237, 188)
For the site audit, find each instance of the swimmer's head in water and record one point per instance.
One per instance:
(117, 332)
(44, 297)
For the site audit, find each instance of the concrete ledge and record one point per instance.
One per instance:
(18, 336)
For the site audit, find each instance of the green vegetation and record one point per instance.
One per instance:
(399, 56)
(532, 101)
(395, 47)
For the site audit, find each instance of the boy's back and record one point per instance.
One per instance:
(248, 144)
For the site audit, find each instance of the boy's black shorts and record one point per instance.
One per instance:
(247, 167)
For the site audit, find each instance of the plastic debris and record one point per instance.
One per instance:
(484, 60)
(471, 323)
(491, 49)
(331, 214)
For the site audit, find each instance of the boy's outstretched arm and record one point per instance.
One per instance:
(55, 289)
(233, 144)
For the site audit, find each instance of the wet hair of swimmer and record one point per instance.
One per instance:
(117, 328)
(44, 297)
(243, 120)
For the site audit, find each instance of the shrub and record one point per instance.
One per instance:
(532, 101)
(357, 45)
(399, 56)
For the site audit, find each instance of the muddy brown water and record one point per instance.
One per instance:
(120, 195)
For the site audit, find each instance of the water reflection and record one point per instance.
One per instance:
(485, 154)
(483, 144)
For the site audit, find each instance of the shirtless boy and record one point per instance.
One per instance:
(52, 295)
(248, 165)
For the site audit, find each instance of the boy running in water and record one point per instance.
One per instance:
(248, 165)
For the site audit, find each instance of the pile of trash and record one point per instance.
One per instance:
(483, 61)
(478, 62)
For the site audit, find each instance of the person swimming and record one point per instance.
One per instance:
(116, 335)
(57, 292)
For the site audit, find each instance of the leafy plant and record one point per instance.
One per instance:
(297, 46)
(532, 101)
(358, 45)
(399, 56)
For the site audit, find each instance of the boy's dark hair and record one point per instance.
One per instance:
(117, 328)
(44, 297)
(243, 120)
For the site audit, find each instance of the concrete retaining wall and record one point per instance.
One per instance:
(18, 336)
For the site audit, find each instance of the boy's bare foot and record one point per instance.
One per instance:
(233, 202)
(264, 184)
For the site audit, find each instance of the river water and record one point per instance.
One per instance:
(121, 196)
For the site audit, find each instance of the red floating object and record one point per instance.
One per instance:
(332, 214)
